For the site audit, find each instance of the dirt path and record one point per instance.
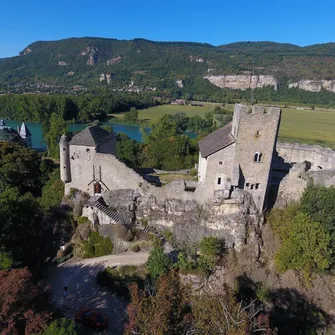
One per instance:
(80, 277)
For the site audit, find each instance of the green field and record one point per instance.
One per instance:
(305, 126)
(152, 114)
(308, 126)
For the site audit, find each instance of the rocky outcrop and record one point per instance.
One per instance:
(92, 53)
(236, 220)
(105, 77)
(114, 60)
(196, 59)
(62, 63)
(314, 85)
(180, 83)
(242, 82)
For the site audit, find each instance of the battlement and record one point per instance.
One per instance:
(256, 110)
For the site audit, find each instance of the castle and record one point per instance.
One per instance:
(21, 136)
(238, 155)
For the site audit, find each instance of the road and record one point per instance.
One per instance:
(80, 277)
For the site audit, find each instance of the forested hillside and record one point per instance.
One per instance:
(81, 61)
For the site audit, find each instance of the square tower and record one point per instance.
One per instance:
(256, 130)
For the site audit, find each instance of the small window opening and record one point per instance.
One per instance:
(72, 157)
(257, 186)
(220, 163)
(64, 167)
(87, 149)
(319, 167)
(258, 134)
(247, 184)
(219, 181)
(257, 157)
(252, 186)
(63, 149)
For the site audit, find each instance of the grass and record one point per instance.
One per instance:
(308, 126)
(168, 178)
(154, 113)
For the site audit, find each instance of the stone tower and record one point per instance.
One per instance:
(65, 170)
(255, 130)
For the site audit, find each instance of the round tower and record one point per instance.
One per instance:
(65, 173)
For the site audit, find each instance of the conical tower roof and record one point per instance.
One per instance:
(24, 131)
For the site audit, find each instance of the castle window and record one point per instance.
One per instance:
(219, 181)
(97, 188)
(258, 134)
(87, 149)
(252, 186)
(220, 163)
(247, 184)
(257, 186)
(63, 149)
(257, 157)
(319, 167)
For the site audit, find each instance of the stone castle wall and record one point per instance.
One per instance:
(85, 163)
(257, 133)
(320, 158)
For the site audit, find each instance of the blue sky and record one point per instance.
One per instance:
(301, 22)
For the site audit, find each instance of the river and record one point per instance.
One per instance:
(38, 142)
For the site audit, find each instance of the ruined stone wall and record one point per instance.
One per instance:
(257, 133)
(114, 174)
(242, 82)
(297, 153)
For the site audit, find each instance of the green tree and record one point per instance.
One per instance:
(132, 115)
(6, 261)
(306, 247)
(319, 203)
(61, 327)
(52, 191)
(20, 168)
(55, 130)
(158, 262)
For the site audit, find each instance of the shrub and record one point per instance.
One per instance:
(97, 246)
(135, 248)
(183, 263)
(82, 219)
(210, 249)
(193, 172)
(61, 327)
(158, 262)
(6, 261)
(307, 247)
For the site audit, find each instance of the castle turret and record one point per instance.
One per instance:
(65, 173)
(25, 134)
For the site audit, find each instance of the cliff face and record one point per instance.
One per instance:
(236, 220)
(242, 82)
(314, 85)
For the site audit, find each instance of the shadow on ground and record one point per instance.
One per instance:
(289, 310)
(83, 291)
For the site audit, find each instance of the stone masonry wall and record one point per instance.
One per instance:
(115, 174)
(297, 153)
(257, 133)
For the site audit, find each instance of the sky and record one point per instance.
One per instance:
(301, 22)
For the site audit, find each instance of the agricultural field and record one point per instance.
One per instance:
(152, 114)
(308, 126)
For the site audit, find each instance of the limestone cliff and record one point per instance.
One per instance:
(242, 82)
(314, 85)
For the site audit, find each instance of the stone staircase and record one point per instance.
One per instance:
(113, 215)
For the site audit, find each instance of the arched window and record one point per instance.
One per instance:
(257, 157)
